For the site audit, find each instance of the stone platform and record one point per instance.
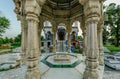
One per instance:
(50, 72)
(61, 60)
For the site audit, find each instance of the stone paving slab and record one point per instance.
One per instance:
(56, 73)
(62, 73)
(9, 57)
(52, 73)
(18, 73)
(111, 75)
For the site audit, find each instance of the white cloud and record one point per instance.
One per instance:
(107, 2)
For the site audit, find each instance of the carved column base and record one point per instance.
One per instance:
(90, 74)
(101, 56)
(33, 74)
(54, 47)
(23, 57)
(54, 50)
(101, 60)
(84, 51)
(68, 50)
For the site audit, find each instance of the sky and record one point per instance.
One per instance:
(6, 9)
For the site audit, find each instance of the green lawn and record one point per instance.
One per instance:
(113, 49)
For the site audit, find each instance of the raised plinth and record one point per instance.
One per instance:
(61, 60)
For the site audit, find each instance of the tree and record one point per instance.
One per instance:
(42, 38)
(113, 12)
(6, 40)
(11, 40)
(105, 35)
(1, 41)
(18, 38)
(80, 38)
(4, 24)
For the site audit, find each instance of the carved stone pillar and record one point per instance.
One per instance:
(54, 42)
(83, 27)
(100, 45)
(24, 41)
(19, 10)
(32, 10)
(39, 39)
(40, 27)
(68, 37)
(92, 16)
(33, 48)
(100, 36)
(84, 43)
(91, 71)
(69, 43)
(54, 29)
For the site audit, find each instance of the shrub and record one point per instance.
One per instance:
(15, 45)
(78, 51)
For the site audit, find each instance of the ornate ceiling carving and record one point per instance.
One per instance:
(62, 8)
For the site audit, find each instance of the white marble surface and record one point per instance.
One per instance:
(52, 73)
(72, 59)
(62, 73)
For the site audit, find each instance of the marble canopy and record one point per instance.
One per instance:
(33, 13)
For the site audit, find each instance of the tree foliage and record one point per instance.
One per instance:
(80, 38)
(4, 24)
(6, 40)
(113, 12)
(105, 36)
(18, 38)
(42, 38)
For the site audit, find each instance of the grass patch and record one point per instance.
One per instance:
(78, 51)
(113, 49)
(15, 45)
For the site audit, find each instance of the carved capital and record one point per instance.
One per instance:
(32, 6)
(32, 17)
(82, 1)
(17, 9)
(100, 28)
(41, 2)
(54, 27)
(84, 32)
(92, 19)
(68, 26)
(17, 6)
(92, 9)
